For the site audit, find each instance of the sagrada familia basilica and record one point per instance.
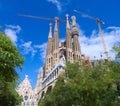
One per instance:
(56, 58)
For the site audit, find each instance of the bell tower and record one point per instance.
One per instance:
(69, 53)
(76, 45)
(56, 44)
(49, 59)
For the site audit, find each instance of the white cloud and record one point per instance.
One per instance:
(92, 46)
(60, 4)
(17, 27)
(27, 48)
(11, 31)
(56, 3)
(11, 34)
(42, 50)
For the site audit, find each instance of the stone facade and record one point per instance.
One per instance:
(70, 48)
(56, 58)
(25, 90)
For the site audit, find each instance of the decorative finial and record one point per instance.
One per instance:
(50, 32)
(68, 25)
(26, 76)
(74, 26)
(56, 23)
(73, 20)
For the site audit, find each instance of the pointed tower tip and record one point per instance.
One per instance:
(50, 32)
(56, 23)
(26, 76)
(67, 21)
(74, 26)
(67, 15)
(73, 20)
(50, 24)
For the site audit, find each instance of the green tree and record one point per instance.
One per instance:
(86, 86)
(10, 59)
(117, 49)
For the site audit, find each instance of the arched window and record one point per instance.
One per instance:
(49, 60)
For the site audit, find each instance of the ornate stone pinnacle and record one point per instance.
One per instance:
(74, 26)
(56, 22)
(50, 24)
(68, 25)
(26, 76)
(67, 16)
(50, 32)
(56, 19)
(73, 20)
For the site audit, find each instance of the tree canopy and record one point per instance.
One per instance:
(117, 49)
(10, 58)
(86, 86)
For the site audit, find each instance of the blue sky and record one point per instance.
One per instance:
(30, 35)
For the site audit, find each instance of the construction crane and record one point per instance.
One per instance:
(42, 18)
(99, 22)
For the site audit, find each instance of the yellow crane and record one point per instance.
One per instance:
(99, 22)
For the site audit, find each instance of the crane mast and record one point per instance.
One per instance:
(102, 39)
(99, 22)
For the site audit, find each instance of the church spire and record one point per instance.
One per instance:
(50, 32)
(74, 26)
(49, 45)
(73, 20)
(75, 34)
(67, 22)
(56, 43)
(49, 51)
(56, 38)
(56, 24)
(69, 54)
